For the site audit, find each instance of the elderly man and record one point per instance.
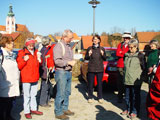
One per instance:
(121, 50)
(63, 58)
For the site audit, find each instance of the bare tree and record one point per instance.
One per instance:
(104, 34)
(133, 31)
(116, 30)
(57, 34)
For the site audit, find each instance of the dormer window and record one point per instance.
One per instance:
(8, 22)
(12, 23)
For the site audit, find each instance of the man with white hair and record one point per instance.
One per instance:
(63, 58)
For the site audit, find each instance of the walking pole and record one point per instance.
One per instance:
(47, 68)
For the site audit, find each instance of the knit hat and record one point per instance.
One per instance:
(29, 41)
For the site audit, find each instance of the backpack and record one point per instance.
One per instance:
(2, 72)
(1, 56)
(143, 63)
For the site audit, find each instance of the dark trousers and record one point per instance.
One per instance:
(150, 79)
(6, 107)
(120, 85)
(44, 92)
(133, 98)
(90, 77)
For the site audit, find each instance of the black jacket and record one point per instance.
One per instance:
(96, 59)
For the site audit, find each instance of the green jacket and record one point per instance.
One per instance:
(152, 58)
(132, 69)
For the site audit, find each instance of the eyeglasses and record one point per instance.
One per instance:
(132, 47)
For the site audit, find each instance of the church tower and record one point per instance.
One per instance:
(10, 21)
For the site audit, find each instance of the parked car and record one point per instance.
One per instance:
(110, 68)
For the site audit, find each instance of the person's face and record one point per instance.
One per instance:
(69, 38)
(132, 48)
(153, 46)
(96, 40)
(126, 40)
(31, 46)
(10, 46)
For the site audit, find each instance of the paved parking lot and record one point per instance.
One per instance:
(109, 110)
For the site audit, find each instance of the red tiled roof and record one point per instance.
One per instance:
(13, 35)
(58, 37)
(87, 41)
(146, 36)
(104, 41)
(21, 28)
(75, 36)
(2, 28)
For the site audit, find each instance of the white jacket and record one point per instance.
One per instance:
(9, 76)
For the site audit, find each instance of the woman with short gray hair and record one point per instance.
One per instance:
(135, 43)
(152, 60)
(133, 67)
(46, 67)
(46, 40)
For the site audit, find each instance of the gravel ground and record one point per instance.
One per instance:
(109, 110)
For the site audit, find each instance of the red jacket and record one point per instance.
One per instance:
(29, 69)
(153, 98)
(121, 50)
(50, 61)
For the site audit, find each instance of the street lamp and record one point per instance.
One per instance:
(94, 5)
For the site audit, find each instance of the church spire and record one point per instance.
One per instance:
(10, 13)
(10, 21)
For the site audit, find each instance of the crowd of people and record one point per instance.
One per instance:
(131, 65)
(30, 64)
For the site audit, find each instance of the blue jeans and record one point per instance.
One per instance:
(44, 94)
(29, 96)
(133, 98)
(63, 81)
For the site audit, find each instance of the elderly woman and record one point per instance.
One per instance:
(46, 67)
(96, 55)
(9, 78)
(133, 67)
(153, 59)
(28, 61)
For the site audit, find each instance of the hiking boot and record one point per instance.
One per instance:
(28, 116)
(124, 112)
(62, 117)
(36, 112)
(68, 112)
(90, 100)
(45, 105)
(100, 101)
(132, 116)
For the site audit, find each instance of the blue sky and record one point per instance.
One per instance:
(50, 16)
